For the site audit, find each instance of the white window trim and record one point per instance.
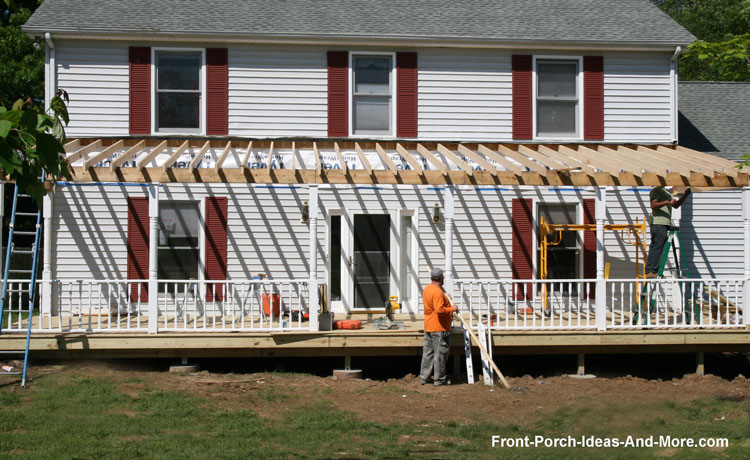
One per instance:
(579, 86)
(394, 85)
(202, 118)
(201, 232)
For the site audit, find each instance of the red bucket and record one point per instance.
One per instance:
(268, 301)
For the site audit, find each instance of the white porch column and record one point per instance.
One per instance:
(746, 218)
(153, 273)
(601, 285)
(47, 254)
(449, 202)
(313, 284)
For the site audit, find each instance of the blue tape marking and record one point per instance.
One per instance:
(368, 188)
(493, 189)
(288, 187)
(439, 189)
(565, 189)
(640, 189)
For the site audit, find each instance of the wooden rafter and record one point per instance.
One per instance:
(131, 152)
(432, 158)
(498, 164)
(175, 155)
(224, 155)
(151, 155)
(342, 161)
(447, 153)
(83, 151)
(409, 158)
(363, 158)
(386, 159)
(104, 154)
(199, 156)
(498, 158)
(478, 159)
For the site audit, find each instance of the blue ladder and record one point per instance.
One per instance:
(20, 291)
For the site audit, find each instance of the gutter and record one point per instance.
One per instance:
(347, 40)
(673, 85)
(50, 70)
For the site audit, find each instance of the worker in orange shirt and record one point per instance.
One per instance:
(438, 319)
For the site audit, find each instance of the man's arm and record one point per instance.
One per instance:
(658, 204)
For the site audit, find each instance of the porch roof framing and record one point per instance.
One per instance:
(391, 162)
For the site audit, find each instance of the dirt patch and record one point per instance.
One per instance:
(405, 400)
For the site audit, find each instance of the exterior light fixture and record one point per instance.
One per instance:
(436, 213)
(305, 212)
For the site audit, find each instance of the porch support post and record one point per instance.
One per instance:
(746, 219)
(313, 299)
(601, 286)
(47, 254)
(153, 273)
(448, 203)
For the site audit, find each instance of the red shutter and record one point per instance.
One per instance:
(217, 86)
(589, 245)
(593, 98)
(338, 94)
(523, 244)
(522, 97)
(140, 90)
(216, 246)
(138, 247)
(406, 95)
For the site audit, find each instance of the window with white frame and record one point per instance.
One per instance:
(178, 91)
(179, 236)
(557, 98)
(372, 94)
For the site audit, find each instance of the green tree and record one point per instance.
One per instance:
(31, 141)
(722, 52)
(21, 59)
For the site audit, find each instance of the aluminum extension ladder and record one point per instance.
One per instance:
(26, 290)
(649, 291)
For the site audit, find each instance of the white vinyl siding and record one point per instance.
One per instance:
(96, 77)
(637, 106)
(278, 92)
(464, 95)
(275, 91)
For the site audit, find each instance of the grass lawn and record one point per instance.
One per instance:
(94, 413)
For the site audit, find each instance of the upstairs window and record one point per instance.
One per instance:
(178, 97)
(179, 236)
(372, 94)
(557, 99)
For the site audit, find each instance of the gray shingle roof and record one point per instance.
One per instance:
(614, 21)
(715, 118)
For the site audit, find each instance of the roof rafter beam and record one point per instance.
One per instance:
(409, 158)
(447, 153)
(386, 159)
(151, 155)
(478, 159)
(199, 156)
(130, 153)
(175, 155)
(104, 154)
(432, 158)
(223, 156)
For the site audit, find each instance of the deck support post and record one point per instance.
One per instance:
(746, 287)
(313, 300)
(581, 371)
(153, 246)
(601, 286)
(448, 203)
(700, 363)
(46, 294)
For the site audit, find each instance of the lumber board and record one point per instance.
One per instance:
(175, 155)
(199, 156)
(500, 159)
(386, 159)
(83, 151)
(130, 153)
(478, 159)
(151, 155)
(223, 156)
(409, 158)
(446, 152)
(104, 154)
(516, 156)
(340, 156)
(432, 158)
(365, 162)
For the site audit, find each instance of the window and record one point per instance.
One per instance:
(557, 98)
(563, 258)
(372, 93)
(178, 91)
(179, 249)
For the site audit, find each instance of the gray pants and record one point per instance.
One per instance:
(659, 234)
(435, 356)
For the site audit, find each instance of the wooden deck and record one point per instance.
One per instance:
(367, 342)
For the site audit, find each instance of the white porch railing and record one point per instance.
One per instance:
(629, 303)
(185, 305)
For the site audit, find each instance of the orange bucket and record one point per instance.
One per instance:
(270, 300)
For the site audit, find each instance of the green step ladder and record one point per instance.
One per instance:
(25, 291)
(650, 291)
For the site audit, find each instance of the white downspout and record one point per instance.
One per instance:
(746, 219)
(50, 74)
(47, 254)
(673, 78)
(449, 204)
(601, 283)
(153, 251)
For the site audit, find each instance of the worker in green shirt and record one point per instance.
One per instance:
(662, 203)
